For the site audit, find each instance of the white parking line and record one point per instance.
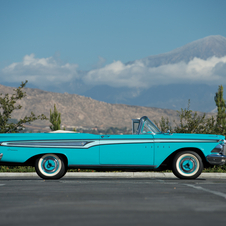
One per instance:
(2, 184)
(207, 190)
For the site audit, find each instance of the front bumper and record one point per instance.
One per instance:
(1, 156)
(216, 159)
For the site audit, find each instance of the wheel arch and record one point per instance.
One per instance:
(31, 161)
(169, 160)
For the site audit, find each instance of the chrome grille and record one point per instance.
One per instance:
(224, 151)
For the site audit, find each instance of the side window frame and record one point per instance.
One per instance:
(135, 126)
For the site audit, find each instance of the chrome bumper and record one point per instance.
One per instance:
(1, 156)
(216, 159)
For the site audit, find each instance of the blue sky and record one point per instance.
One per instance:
(73, 46)
(92, 32)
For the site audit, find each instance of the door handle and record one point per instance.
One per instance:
(105, 136)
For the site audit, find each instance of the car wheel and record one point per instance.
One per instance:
(50, 166)
(187, 165)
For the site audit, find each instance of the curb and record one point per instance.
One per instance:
(118, 175)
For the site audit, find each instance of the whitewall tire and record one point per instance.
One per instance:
(187, 165)
(50, 166)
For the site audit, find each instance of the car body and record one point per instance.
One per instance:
(147, 148)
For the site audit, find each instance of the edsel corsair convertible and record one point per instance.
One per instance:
(147, 148)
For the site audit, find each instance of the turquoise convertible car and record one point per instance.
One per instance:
(147, 148)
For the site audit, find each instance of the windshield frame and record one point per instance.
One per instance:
(145, 121)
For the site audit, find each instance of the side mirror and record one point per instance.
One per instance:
(168, 131)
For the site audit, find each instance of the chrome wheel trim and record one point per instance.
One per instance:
(49, 165)
(187, 165)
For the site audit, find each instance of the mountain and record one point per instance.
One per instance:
(80, 111)
(204, 48)
(173, 96)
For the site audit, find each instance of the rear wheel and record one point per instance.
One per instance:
(187, 165)
(50, 166)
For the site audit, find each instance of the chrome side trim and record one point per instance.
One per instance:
(184, 141)
(84, 144)
(216, 159)
(1, 155)
(52, 143)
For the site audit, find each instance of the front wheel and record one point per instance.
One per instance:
(50, 166)
(187, 165)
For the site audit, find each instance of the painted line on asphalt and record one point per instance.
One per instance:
(2, 184)
(207, 190)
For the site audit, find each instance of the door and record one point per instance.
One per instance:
(126, 150)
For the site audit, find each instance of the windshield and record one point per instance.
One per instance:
(148, 126)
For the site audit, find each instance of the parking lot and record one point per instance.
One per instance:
(112, 201)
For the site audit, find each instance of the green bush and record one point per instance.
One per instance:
(17, 169)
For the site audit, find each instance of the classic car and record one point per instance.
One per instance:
(147, 148)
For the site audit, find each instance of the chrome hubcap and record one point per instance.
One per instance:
(188, 165)
(50, 164)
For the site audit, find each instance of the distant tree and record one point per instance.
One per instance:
(55, 119)
(192, 122)
(164, 125)
(8, 106)
(220, 126)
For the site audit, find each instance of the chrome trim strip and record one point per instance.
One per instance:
(109, 141)
(185, 141)
(51, 144)
(75, 144)
(1, 155)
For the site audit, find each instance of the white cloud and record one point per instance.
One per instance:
(41, 72)
(117, 74)
(210, 71)
(48, 71)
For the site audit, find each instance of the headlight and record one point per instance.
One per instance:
(218, 149)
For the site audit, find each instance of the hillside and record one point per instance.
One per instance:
(80, 111)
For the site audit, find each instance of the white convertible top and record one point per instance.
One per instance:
(62, 131)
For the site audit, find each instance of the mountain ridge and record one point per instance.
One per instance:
(214, 45)
(80, 111)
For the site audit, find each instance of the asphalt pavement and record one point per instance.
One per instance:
(112, 201)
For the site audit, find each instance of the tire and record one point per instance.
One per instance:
(50, 166)
(187, 165)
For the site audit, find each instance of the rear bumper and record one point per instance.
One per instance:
(1, 156)
(216, 159)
